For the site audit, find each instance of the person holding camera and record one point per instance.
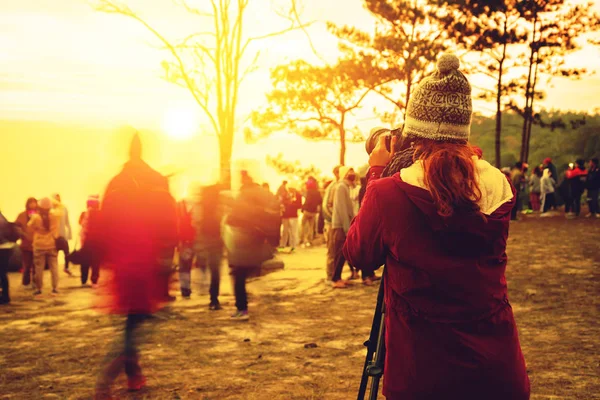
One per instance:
(440, 227)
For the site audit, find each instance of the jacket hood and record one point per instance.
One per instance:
(496, 200)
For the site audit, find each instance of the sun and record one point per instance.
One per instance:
(180, 123)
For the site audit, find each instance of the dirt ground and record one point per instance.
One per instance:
(53, 347)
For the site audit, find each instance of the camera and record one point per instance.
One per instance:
(376, 133)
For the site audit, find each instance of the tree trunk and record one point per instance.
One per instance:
(408, 92)
(527, 115)
(342, 146)
(499, 100)
(342, 139)
(225, 151)
(530, 122)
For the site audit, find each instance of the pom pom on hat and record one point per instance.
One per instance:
(448, 63)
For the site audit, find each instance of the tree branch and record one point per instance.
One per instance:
(109, 7)
(272, 34)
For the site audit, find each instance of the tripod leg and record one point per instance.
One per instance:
(373, 341)
(379, 362)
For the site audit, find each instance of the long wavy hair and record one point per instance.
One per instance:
(450, 175)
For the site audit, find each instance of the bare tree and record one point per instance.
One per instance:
(210, 63)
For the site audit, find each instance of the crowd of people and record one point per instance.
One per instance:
(131, 238)
(542, 190)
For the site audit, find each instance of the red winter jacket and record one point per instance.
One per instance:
(450, 331)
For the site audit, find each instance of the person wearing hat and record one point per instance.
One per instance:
(45, 227)
(553, 172)
(26, 245)
(441, 226)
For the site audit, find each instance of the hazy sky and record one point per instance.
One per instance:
(61, 60)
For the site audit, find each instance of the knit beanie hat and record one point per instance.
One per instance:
(440, 108)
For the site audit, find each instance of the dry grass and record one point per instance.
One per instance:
(54, 347)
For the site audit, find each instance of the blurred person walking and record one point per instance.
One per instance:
(27, 240)
(207, 215)
(45, 225)
(535, 189)
(310, 211)
(138, 227)
(87, 220)
(593, 187)
(64, 230)
(250, 234)
(449, 329)
(185, 247)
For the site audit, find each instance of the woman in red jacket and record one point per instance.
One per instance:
(440, 226)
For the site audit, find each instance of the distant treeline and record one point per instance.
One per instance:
(572, 136)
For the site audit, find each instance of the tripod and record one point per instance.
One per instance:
(374, 362)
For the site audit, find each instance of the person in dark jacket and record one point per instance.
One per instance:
(441, 228)
(207, 214)
(9, 234)
(27, 240)
(593, 187)
(250, 234)
(518, 179)
(577, 178)
(90, 259)
(310, 211)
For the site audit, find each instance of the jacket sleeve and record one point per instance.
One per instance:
(364, 247)
(342, 204)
